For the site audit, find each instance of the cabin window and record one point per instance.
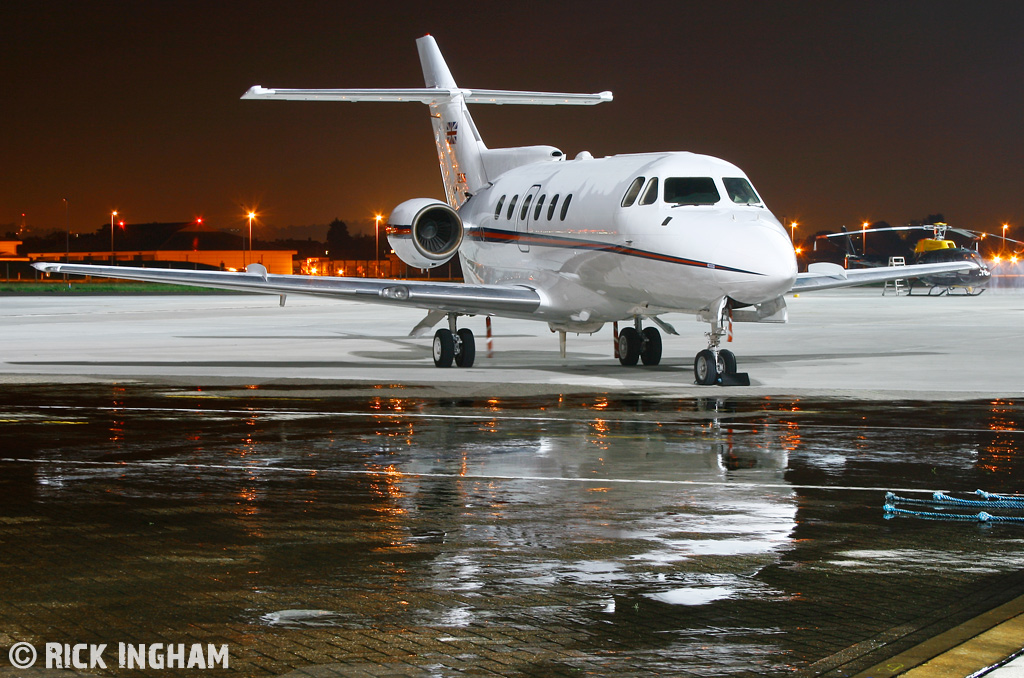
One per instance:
(691, 191)
(512, 207)
(526, 207)
(632, 192)
(565, 207)
(650, 193)
(741, 192)
(497, 210)
(551, 207)
(538, 208)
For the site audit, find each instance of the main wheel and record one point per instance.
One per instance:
(630, 344)
(444, 348)
(467, 348)
(705, 368)
(651, 353)
(728, 359)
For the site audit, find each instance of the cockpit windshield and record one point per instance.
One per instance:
(956, 254)
(691, 191)
(741, 192)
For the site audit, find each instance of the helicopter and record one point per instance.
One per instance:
(933, 249)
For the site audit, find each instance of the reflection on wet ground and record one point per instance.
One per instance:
(544, 536)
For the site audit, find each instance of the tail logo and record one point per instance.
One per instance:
(453, 132)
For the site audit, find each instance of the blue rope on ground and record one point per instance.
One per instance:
(981, 517)
(996, 501)
(891, 498)
(940, 500)
(1001, 497)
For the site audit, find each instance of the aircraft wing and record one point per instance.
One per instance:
(434, 296)
(824, 276)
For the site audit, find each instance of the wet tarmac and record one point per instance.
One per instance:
(846, 343)
(324, 532)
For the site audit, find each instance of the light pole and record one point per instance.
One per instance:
(112, 215)
(792, 231)
(67, 242)
(67, 227)
(864, 238)
(376, 241)
(251, 215)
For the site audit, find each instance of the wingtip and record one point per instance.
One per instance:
(256, 92)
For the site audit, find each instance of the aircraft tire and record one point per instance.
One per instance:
(728, 359)
(705, 368)
(444, 348)
(651, 352)
(467, 348)
(630, 344)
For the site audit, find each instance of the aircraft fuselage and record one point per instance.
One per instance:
(641, 234)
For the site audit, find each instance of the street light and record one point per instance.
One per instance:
(67, 227)
(792, 231)
(112, 215)
(864, 237)
(67, 242)
(251, 215)
(376, 240)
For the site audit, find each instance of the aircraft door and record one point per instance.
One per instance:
(524, 216)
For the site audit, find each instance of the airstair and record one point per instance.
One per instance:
(898, 286)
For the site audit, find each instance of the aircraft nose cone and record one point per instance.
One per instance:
(763, 263)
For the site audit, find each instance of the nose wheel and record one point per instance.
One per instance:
(716, 365)
(705, 368)
(712, 367)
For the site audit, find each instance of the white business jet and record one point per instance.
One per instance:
(574, 243)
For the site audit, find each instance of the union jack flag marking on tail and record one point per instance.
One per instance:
(453, 132)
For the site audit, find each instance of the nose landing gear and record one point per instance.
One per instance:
(715, 365)
(718, 366)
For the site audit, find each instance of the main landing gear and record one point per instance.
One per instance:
(639, 344)
(716, 365)
(454, 345)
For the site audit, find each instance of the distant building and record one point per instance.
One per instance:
(8, 256)
(191, 244)
(9, 249)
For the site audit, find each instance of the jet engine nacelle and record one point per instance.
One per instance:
(424, 233)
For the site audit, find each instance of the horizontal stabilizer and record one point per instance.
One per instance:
(498, 96)
(466, 163)
(430, 95)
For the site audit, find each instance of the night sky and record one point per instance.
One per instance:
(840, 112)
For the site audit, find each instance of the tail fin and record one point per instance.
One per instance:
(460, 149)
(851, 250)
(466, 163)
